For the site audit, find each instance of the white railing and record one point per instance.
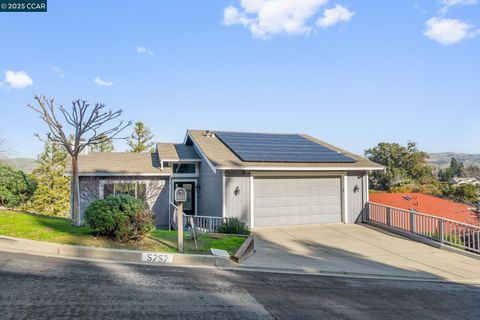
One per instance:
(204, 224)
(207, 224)
(445, 231)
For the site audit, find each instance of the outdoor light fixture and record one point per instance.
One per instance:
(237, 191)
(197, 187)
(356, 188)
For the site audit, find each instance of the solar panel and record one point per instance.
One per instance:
(263, 147)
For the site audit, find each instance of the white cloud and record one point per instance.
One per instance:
(335, 15)
(17, 79)
(265, 18)
(449, 31)
(447, 4)
(143, 50)
(58, 72)
(102, 83)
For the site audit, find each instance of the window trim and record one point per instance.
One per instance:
(101, 189)
(186, 175)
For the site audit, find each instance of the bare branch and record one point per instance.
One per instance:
(86, 122)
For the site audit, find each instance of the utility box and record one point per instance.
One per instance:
(180, 195)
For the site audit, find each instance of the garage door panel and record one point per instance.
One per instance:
(296, 200)
(283, 201)
(266, 211)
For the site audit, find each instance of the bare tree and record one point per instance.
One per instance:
(86, 123)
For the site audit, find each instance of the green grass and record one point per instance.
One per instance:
(60, 230)
(230, 243)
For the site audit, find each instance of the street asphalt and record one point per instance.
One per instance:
(35, 287)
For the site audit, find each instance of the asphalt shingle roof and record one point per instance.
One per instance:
(120, 163)
(221, 156)
(176, 151)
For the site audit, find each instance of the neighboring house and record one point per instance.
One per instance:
(262, 179)
(458, 181)
(427, 204)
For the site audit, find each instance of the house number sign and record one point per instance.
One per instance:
(153, 257)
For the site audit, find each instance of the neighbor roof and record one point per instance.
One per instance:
(221, 157)
(427, 204)
(120, 163)
(176, 152)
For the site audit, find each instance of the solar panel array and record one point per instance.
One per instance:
(263, 147)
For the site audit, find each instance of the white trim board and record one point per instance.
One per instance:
(299, 168)
(204, 157)
(123, 174)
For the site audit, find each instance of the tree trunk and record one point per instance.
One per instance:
(75, 192)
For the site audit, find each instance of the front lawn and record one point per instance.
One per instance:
(59, 230)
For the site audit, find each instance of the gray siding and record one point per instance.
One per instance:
(210, 193)
(89, 192)
(356, 200)
(237, 204)
(157, 193)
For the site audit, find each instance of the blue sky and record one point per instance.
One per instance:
(350, 72)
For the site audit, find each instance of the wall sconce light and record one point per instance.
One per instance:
(237, 191)
(356, 188)
(197, 187)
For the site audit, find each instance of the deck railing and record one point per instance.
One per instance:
(445, 231)
(203, 224)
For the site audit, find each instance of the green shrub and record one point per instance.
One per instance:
(233, 226)
(121, 217)
(16, 187)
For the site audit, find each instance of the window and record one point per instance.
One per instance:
(184, 168)
(134, 189)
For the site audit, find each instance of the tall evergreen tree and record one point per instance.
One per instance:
(141, 138)
(52, 195)
(106, 145)
(454, 170)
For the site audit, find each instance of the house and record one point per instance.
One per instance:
(459, 181)
(428, 204)
(262, 179)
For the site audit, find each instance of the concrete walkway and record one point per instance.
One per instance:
(357, 249)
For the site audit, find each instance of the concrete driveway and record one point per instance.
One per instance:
(357, 250)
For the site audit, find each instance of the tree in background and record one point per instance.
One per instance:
(454, 170)
(471, 171)
(16, 187)
(140, 139)
(52, 195)
(406, 168)
(462, 193)
(86, 123)
(105, 146)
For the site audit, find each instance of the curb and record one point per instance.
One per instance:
(116, 255)
(344, 274)
(186, 260)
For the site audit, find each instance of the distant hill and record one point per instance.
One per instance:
(25, 164)
(442, 159)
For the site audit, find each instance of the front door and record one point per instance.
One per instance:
(189, 205)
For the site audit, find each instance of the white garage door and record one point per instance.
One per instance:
(296, 200)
